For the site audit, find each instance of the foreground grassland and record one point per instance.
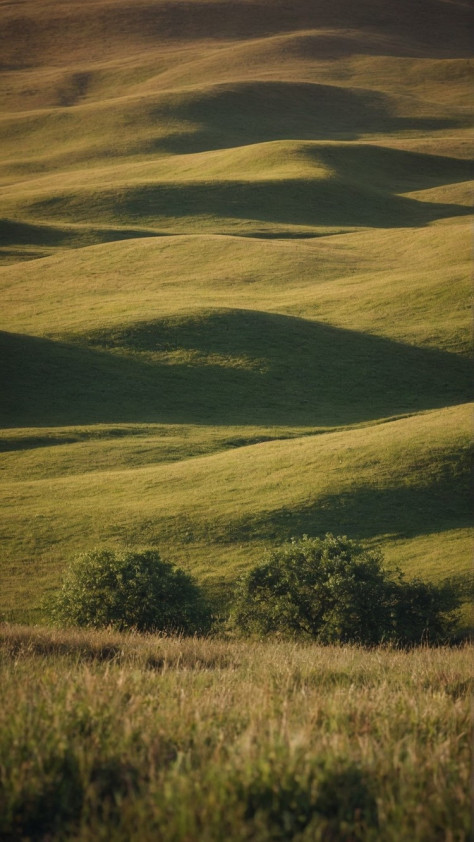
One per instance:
(126, 737)
(235, 251)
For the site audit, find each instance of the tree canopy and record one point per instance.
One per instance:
(333, 590)
(130, 590)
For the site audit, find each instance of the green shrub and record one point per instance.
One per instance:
(424, 611)
(130, 590)
(333, 590)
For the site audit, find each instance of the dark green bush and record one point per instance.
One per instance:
(130, 590)
(333, 590)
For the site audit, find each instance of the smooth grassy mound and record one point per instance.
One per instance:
(401, 481)
(237, 240)
(170, 80)
(318, 187)
(225, 367)
(409, 285)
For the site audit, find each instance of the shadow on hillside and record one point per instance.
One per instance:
(327, 202)
(426, 27)
(402, 512)
(423, 25)
(239, 367)
(14, 232)
(393, 170)
(229, 115)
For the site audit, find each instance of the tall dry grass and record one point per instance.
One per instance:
(106, 736)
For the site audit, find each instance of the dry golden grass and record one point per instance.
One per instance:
(123, 736)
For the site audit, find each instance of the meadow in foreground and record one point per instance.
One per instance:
(108, 736)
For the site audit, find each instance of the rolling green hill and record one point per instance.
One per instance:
(234, 243)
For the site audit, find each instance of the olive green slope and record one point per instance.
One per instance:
(398, 483)
(235, 257)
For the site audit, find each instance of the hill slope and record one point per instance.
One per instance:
(234, 240)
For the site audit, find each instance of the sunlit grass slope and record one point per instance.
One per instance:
(410, 285)
(235, 252)
(384, 483)
(156, 100)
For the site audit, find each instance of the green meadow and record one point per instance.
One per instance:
(234, 246)
(234, 282)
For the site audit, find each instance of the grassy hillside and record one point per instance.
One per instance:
(212, 502)
(234, 244)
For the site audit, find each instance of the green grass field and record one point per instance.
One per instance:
(234, 243)
(234, 281)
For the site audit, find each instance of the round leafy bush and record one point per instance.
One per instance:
(333, 590)
(130, 590)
